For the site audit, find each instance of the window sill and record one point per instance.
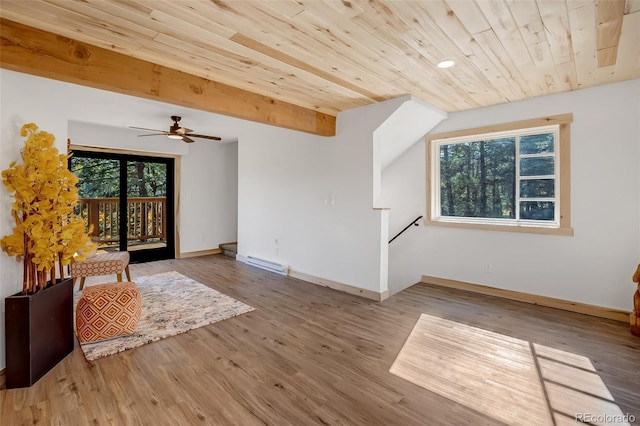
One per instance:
(565, 232)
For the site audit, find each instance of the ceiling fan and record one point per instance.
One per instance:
(177, 132)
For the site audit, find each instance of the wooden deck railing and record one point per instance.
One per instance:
(147, 218)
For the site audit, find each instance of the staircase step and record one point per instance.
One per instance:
(229, 249)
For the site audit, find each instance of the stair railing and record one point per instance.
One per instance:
(414, 223)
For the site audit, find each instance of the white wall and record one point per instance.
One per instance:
(595, 265)
(209, 196)
(406, 126)
(404, 190)
(306, 201)
(409, 123)
(209, 170)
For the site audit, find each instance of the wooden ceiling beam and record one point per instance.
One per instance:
(36, 52)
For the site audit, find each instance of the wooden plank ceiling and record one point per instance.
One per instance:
(333, 55)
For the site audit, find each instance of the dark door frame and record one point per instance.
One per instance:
(144, 255)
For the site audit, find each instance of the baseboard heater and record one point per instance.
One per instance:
(268, 265)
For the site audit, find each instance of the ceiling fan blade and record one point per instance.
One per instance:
(215, 138)
(176, 132)
(155, 134)
(144, 128)
(183, 130)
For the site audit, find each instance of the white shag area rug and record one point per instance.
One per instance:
(171, 304)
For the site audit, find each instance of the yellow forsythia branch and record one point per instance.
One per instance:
(45, 196)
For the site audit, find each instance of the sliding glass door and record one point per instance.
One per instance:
(128, 200)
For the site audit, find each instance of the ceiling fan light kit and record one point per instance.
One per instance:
(176, 132)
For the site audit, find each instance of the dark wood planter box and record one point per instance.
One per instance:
(39, 332)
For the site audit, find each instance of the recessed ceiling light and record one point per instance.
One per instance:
(446, 64)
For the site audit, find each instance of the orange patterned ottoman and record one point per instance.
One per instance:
(105, 311)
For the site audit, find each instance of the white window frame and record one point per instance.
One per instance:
(559, 125)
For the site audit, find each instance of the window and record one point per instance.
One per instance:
(512, 177)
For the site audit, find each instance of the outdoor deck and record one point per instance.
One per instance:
(146, 223)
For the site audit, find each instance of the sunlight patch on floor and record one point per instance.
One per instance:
(508, 379)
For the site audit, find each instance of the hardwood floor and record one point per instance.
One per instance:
(306, 355)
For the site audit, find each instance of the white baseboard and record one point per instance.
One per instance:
(567, 305)
(368, 294)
